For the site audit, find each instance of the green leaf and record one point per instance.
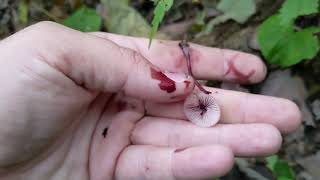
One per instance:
(271, 32)
(159, 13)
(280, 168)
(84, 19)
(237, 10)
(23, 11)
(291, 9)
(162, 6)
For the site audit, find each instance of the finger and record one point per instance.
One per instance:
(207, 63)
(111, 135)
(242, 139)
(238, 107)
(100, 65)
(151, 162)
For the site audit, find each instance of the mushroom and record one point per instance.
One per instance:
(201, 109)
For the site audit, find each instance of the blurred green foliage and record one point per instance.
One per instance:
(84, 19)
(280, 168)
(123, 19)
(236, 10)
(23, 11)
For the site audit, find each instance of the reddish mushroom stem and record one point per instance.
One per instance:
(186, 52)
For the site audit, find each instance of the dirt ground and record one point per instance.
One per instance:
(300, 83)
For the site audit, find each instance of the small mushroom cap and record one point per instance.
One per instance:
(202, 109)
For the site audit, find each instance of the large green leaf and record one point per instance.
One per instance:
(297, 46)
(84, 19)
(271, 32)
(281, 42)
(281, 45)
(291, 9)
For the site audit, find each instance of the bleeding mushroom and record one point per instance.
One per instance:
(199, 107)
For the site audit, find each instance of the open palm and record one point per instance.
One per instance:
(101, 106)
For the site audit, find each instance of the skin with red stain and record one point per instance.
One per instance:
(165, 84)
(187, 84)
(241, 77)
(180, 150)
(181, 59)
(123, 105)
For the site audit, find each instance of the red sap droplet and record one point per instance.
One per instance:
(165, 84)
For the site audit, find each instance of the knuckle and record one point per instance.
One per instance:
(137, 58)
(137, 134)
(44, 31)
(43, 26)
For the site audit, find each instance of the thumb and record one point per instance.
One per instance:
(101, 65)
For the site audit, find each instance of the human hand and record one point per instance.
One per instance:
(97, 106)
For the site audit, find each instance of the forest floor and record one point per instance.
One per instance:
(300, 83)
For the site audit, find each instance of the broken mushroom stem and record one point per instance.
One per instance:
(185, 47)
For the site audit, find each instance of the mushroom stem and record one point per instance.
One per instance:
(185, 47)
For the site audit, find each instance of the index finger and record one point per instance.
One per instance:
(207, 63)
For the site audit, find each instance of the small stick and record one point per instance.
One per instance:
(185, 47)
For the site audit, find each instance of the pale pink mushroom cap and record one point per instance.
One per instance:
(202, 109)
